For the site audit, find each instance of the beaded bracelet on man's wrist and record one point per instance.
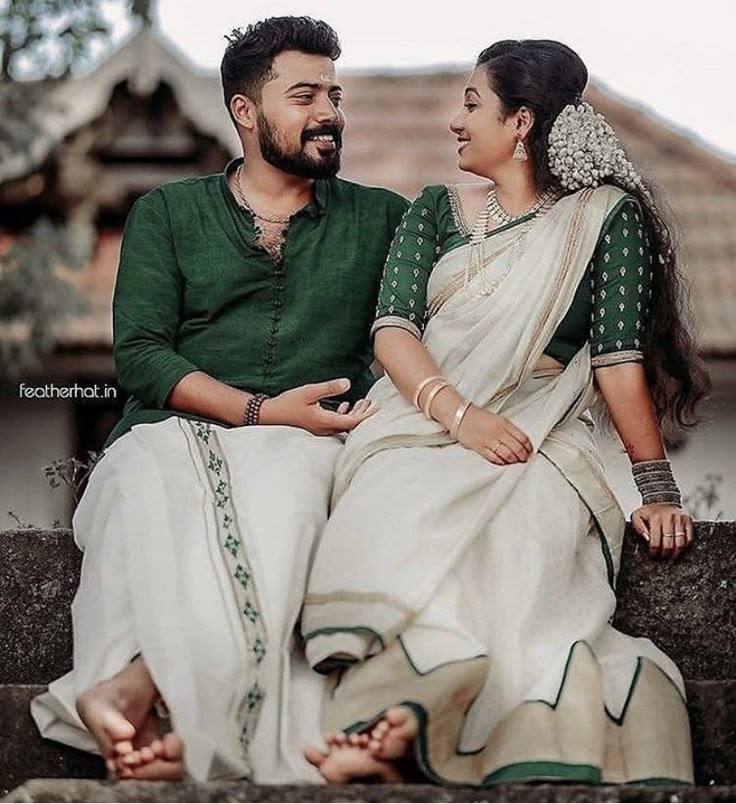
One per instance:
(252, 413)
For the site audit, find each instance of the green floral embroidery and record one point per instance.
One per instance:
(250, 611)
(204, 431)
(254, 697)
(241, 574)
(259, 650)
(215, 464)
(243, 583)
(232, 544)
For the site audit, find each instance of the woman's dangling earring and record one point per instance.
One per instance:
(520, 151)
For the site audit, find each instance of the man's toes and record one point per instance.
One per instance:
(173, 749)
(314, 755)
(157, 746)
(123, 747)
(337, 739)
(147, 754)
(160, 770)
(117, 727)
(131, 759)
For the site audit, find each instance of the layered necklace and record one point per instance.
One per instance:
(492, 209)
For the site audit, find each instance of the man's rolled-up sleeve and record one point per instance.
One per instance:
(147, 306)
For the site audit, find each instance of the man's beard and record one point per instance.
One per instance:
(299, 164)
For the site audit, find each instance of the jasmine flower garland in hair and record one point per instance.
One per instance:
(584, 151)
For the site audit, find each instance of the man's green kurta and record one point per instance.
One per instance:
(195, 291)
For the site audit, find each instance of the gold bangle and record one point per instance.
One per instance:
(421, 386)
(427, 408)
(457, 420)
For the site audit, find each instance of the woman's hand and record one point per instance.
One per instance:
(494, 437)
(667, 528)
(300, 407)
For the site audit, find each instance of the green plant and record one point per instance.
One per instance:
(71, 472)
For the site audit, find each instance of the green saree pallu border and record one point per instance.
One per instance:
(240, 573)
(539, 768)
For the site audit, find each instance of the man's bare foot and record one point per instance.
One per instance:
(393, 736)
(114, 710)
(348, 759)
(138, 751)
(162, 760)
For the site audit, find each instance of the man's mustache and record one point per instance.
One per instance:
(329, 130)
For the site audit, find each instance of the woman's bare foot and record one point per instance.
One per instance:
(162, 760)
(393, 736)
(348, 760)
(114, 710)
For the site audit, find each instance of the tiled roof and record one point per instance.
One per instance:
(398, 137)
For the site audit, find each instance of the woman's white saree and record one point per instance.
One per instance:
(480, 595)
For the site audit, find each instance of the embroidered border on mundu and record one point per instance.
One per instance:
(240, 572)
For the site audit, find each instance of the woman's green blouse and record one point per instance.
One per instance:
(610, 306)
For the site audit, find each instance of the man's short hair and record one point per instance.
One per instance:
(248, 60)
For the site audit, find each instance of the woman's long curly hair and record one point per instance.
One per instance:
(545, 76)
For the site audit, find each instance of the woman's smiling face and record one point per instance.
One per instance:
(486, 139)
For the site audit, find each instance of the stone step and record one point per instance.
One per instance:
(75, 790)
(687, 608)
(25, 755)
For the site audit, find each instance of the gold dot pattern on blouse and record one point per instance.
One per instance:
(403, 288)
(621, 278)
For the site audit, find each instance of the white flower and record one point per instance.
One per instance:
(584, 151)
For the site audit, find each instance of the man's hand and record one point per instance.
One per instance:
(667, 528)
(494, 437)
(300, 407)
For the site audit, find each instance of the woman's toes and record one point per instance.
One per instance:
(157, 747)
(314, 755)
(337, 739)
(396, 716)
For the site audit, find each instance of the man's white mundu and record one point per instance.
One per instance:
(196, 542)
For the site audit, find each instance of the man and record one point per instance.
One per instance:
(239, 299)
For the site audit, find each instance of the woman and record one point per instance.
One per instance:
(465, 582)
